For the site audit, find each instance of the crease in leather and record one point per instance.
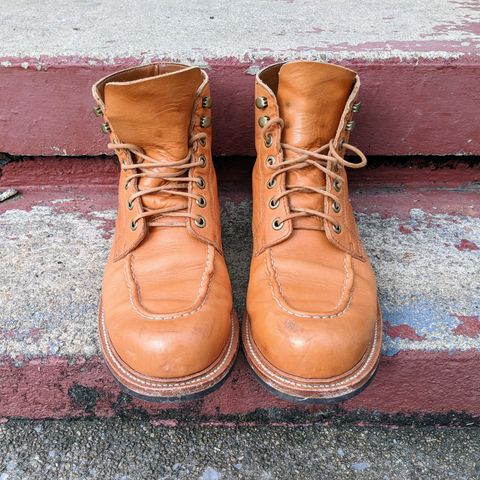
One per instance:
(199, 302)
(128, 241)
(280, 297)
(352, 244)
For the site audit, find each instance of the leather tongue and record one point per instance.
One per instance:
(154, 113)
(311, 98)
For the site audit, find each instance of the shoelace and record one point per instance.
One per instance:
(176, 182)
(307, 158)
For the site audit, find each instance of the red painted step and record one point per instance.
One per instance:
(420, 225)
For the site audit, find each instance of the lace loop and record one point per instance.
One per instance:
(327, 163)
(176, 181)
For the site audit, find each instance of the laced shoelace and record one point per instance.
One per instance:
(176, 182)
(326, 163)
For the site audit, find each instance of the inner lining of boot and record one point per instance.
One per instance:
(269, 76)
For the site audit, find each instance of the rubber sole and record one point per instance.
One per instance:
(166, 390)
(286, 389)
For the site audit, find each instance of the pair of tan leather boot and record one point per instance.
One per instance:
(168, 330)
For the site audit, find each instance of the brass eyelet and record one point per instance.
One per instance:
(341, 143)
(201, 201)
(270, 161)
(127, 183)
(200, 222)
(205, 122)
(276, 225)
(130, 205)
(207, 102)
(268, 140)
(133, 225)
(336, 207)
(105, 127)
(356, 107)
(271, 182)
(273, 203)
(203, 161)
(262, 121)
(201, 183)
(261, 102)
(350, 126)
(337, 185)
(98, 111)
(337, 228)
(336, 167)
(203, 141)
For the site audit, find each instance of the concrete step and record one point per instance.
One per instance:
(420, 224)
(419, 63)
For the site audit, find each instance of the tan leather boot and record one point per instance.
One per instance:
(167, 326)
(313, 326)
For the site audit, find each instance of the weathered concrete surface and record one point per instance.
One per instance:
(422, 236)
(419, 63)
(123, 449)
(200, 31)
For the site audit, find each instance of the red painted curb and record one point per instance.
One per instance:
(409, 383)
(425, 107)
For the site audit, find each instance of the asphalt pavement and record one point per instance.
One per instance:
(131, 449)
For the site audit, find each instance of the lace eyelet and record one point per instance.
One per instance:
(127, 183)
(261, 102)
(201, 201)
(270, 161)
(271, 183)
(356, 107)
(133, 225)
(200, 222)
(276, 225)
(340, 143)
(205, 121)
(336, 167)
(203, 161)
(268, 140)
(336, 207)
(337, 185)
(273, 203)
(207, 102)
(337, 228)
(203, 141)
(201, 183)
(262, 121)
(350, 126)
(130, 205)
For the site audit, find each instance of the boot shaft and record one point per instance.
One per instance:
(159, 116)
(300, 107)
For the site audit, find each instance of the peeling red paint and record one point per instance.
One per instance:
(405, 332)
(466, 245)
(469, 326)
(43, 388)
(390, 190)
(405, 230)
